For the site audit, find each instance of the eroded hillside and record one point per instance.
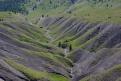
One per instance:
(61, 40)
(96, 47)
(25, 48)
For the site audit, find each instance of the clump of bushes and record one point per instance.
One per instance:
(65, 45)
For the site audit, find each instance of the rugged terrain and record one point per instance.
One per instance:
(60, 40)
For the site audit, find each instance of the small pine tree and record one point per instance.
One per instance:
(42, 15)
(111, 5)
(1, 19)
(59, 44)
(66, 41)
(50, 2)
(107, 5)
(70, 47)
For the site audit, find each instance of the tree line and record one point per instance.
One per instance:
(12, 5)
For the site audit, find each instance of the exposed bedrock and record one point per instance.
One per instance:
(7, 73)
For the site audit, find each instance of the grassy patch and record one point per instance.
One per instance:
(99, 12)
(5, 14)
(53, 59)
(36, 75)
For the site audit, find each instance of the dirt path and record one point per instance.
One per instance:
(47, 34)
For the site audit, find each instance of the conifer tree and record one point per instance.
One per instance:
(70, 47)
(59, 44)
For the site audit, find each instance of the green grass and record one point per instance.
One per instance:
(87, 12)
(5, 14)
(30, 37)
(52, 59)
(47, 8)
(84, 11)
(34, 74)
(97, 13)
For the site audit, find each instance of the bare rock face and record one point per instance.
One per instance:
(7, 73)
(82, 64)
(98, 63)
(79, 55)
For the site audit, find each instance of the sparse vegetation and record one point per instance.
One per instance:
(84, 42)
(36, 75)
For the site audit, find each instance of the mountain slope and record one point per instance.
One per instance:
(61, 40)
(24, 47)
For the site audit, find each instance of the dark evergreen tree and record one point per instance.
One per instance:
(59, 44)
(70, 47)
(42, 15)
